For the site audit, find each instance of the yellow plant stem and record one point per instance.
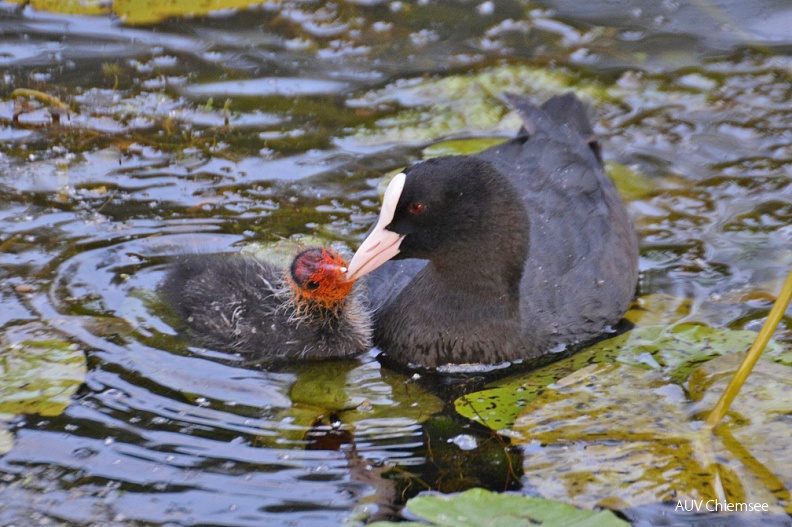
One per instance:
(731, 391)
(40, 96)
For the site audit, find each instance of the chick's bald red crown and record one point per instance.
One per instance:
(319, 276)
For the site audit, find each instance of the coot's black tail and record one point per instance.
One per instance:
(557, 111)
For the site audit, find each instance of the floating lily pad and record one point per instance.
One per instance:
(678, 350)
(498, 405)
(630, 183)
(658, 310)
(463, 104)
(139, 11)
(619, 435)
(70, 7)
(460, 147)
(673, 352)
(757, 433)
(611, 432)
(145, 12)
(480, 508)
(39, 375)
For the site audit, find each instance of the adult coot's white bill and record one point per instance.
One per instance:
(524, 248)
(242, 304)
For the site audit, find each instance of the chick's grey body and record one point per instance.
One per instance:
(544, 204)
(241, 304)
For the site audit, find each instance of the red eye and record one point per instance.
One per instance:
(415, 207)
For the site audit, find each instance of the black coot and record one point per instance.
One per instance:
(241, 304)
(529, 248)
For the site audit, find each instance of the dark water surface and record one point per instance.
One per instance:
(696, 97)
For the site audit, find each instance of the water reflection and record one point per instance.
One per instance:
(158, 437)
(163, 433)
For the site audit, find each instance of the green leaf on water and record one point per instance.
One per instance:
(755, 430)
(620, 436)
(678, 350)
(39, 375)
(482, 508)
(630, 183)
(671, 351)
(658, 310)
(460, 147)
(499, 404)
(614, 434)
(464, 104)
(137, 12)
(70, 7)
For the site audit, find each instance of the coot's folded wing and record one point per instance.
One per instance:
(580, 234)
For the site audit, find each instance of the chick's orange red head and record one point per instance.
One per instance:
(319, 276)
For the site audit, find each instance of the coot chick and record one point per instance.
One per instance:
(530, 250)
(242, 304)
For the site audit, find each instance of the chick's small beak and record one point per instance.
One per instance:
(333, 265)
(381, 244)
(335, 270)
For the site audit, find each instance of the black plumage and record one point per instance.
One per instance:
(522, 250)
(238, 303)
